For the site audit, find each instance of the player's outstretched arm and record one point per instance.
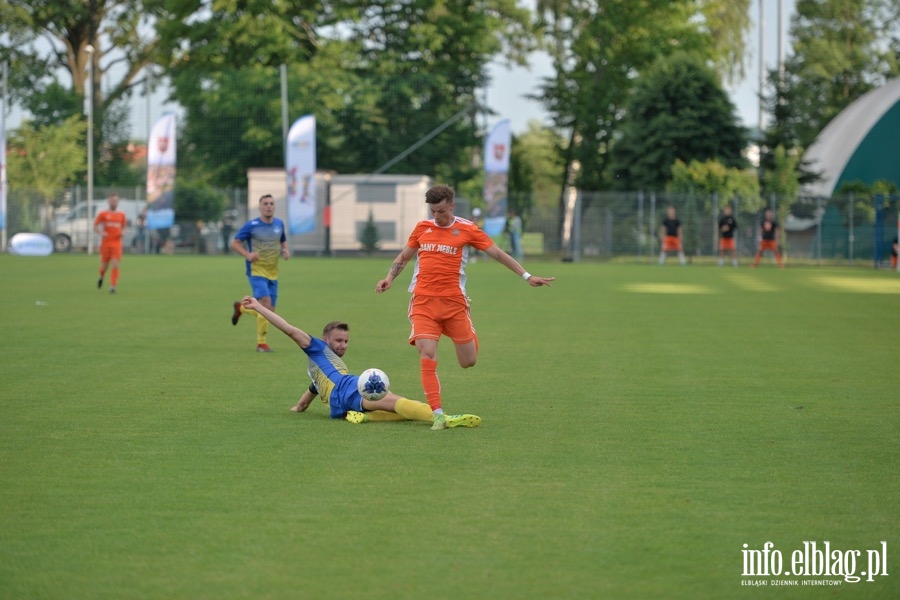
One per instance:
(304, 402)
(302, 338)
(396, 267)
(513, 265)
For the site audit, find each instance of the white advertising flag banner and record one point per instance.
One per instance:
(301, 170)
(161, 174)
(496, 177)
(2, 176)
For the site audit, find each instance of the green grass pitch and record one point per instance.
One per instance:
(641, 424)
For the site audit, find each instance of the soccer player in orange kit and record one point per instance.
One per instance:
(109, 225)
(439, 305)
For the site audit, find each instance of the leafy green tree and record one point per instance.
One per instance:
(598, 47)
(711, 178)
(429, 58)
(783, 178)
(726, 22)
(859, 197)
(198, 201)
(51, 78)
(378, 77)
(679, 111)
(45, 159)
(841, 49)
(369, 236)
(535, 162)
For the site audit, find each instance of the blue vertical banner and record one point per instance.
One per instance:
(300, 168)
(496, 177)
(161, 174)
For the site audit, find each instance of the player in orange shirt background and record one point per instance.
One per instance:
(439, 305)
(109, 225)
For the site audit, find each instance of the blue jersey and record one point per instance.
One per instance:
(265, 239)
(334, 384)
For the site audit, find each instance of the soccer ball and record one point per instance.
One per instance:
(373, 384)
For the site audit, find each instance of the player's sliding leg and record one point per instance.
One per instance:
(413, 410)
(394, 408)
(375, 416)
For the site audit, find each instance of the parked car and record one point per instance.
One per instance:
(71, 229)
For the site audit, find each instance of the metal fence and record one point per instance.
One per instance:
(843, 229)
(67, 219)
(607, 225)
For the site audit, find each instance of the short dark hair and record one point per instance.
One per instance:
(334, 325)
(264, 196)
(438, 194)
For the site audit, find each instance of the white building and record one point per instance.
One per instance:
(397, 203)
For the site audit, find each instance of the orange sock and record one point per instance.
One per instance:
(114, 277)
(430, 383)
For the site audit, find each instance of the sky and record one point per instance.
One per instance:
(509, 87)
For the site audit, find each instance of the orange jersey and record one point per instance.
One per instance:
(112, 224)
(442, 256)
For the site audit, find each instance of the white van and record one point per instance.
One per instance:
(71, 229)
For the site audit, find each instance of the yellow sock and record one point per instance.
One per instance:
(248, 311)
(414, 410)
(262, 328)
(383, 415)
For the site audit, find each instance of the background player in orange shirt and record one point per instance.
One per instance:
(768, 239)
(439, 305)
(109, 225)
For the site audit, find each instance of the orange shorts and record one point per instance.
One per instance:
(671, 243)
(110, 252)
(768, 245)
(893, 261)
(727, 244)
(433, 316)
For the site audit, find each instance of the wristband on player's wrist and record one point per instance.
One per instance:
(526, 275)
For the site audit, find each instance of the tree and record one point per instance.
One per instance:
(119, 33)
(679, 111)
(712, 179)
(782, 179)
(598, 48)
(535, 161)
(841, 50)
(727, 22)
(378, 77)
(369, 237)
(45, 159)
(197, 203)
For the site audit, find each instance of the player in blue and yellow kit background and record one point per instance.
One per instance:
(260, 241)
(338, 387)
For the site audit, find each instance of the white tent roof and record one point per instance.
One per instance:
(836, 144)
